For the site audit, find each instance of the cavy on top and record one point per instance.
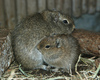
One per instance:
(29, 32)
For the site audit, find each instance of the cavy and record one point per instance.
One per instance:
(29, 32)
(60, 51)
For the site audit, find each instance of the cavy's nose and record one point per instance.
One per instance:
(73, 26)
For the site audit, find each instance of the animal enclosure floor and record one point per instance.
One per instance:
(85, 71)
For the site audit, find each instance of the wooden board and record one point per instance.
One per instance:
(76, 9)
(67, 7)
(2, 21)
(50, 4)
(91, 6)
(31, 6)
(21, 9)
(84, 6)
(6, 54)
(59, 5)
(10, 13)
(98, 5)
(41, 5)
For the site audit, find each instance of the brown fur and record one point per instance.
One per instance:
(29, 32)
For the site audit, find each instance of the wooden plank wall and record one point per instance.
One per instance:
(12, 11)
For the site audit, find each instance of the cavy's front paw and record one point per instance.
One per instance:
(44, 67)
(55, 70)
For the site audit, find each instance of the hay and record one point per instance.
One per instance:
(86, 71)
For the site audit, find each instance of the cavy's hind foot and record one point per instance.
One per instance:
(70, 72)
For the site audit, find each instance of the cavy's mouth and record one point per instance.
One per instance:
(45, 63)
(73, 27)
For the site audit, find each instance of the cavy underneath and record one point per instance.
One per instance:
(60, 51)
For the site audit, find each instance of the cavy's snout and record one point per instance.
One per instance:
(73, 26)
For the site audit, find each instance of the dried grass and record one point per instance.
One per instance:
(85, 71)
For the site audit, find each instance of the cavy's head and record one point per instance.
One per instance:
(59, 19)
(53, 45)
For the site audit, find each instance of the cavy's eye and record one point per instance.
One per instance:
(47, 46)
(65, 21)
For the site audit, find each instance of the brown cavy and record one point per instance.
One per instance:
(29, 32)
(60, 51)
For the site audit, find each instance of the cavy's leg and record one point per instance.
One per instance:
(44, 67)
(55, 70)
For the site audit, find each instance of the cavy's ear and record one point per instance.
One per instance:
(58, 42)
(55, 15)
(47, 15)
